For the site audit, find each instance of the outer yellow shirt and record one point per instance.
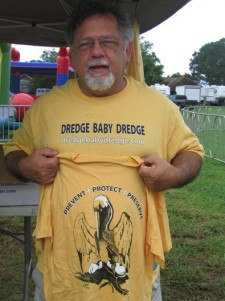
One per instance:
(138, 121)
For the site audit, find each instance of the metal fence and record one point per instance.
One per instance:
(208, 123)
(10, 119)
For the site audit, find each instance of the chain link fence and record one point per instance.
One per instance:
(208, 123)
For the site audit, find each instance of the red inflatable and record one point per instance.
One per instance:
(15, 55)
(22, 102)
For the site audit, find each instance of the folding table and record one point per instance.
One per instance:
(18, 199)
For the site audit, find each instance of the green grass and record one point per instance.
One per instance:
(196, 264)
(195, 267)
(12, 261)
(219, 110)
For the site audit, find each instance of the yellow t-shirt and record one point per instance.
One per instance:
(100, 230)
(138, 121)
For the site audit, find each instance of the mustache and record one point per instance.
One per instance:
(98, 62)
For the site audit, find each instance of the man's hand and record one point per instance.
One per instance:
(40, 167)
(159, 175)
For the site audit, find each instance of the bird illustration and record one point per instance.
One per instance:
(103, 250)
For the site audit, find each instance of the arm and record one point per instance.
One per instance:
(159, 175)
(40, 167)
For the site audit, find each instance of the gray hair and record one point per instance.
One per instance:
(88, 8)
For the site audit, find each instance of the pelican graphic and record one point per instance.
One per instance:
(104, 251)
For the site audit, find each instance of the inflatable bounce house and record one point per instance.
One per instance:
(13, 103)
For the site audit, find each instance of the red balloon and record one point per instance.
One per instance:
(22, 102)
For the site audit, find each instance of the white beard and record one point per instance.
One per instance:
(99, 82)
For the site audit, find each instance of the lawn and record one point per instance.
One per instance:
(195, 267)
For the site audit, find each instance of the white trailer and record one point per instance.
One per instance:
(193, 93)
(207, 94)
(162, 88)
(219, 92)
(213, 94)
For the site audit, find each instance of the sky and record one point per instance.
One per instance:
(176, 39)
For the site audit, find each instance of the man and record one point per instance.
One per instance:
(102, 147)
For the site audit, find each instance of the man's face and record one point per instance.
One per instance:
(100, 56)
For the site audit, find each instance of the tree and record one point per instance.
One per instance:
(177, 75)
(153, 70)
(49, 56)
(208, 64)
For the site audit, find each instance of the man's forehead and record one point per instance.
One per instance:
(96, 23)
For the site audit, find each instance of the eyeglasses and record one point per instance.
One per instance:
(105, 42)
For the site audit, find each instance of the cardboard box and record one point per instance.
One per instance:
(16, 197)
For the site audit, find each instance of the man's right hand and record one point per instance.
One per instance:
(40, 167)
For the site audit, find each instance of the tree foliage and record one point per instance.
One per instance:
(153, 70)
(208, 64)
(49, 56)
(179, 75)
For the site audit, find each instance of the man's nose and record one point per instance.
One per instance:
(97, 49)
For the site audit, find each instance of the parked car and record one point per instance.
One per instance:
(179, 100)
